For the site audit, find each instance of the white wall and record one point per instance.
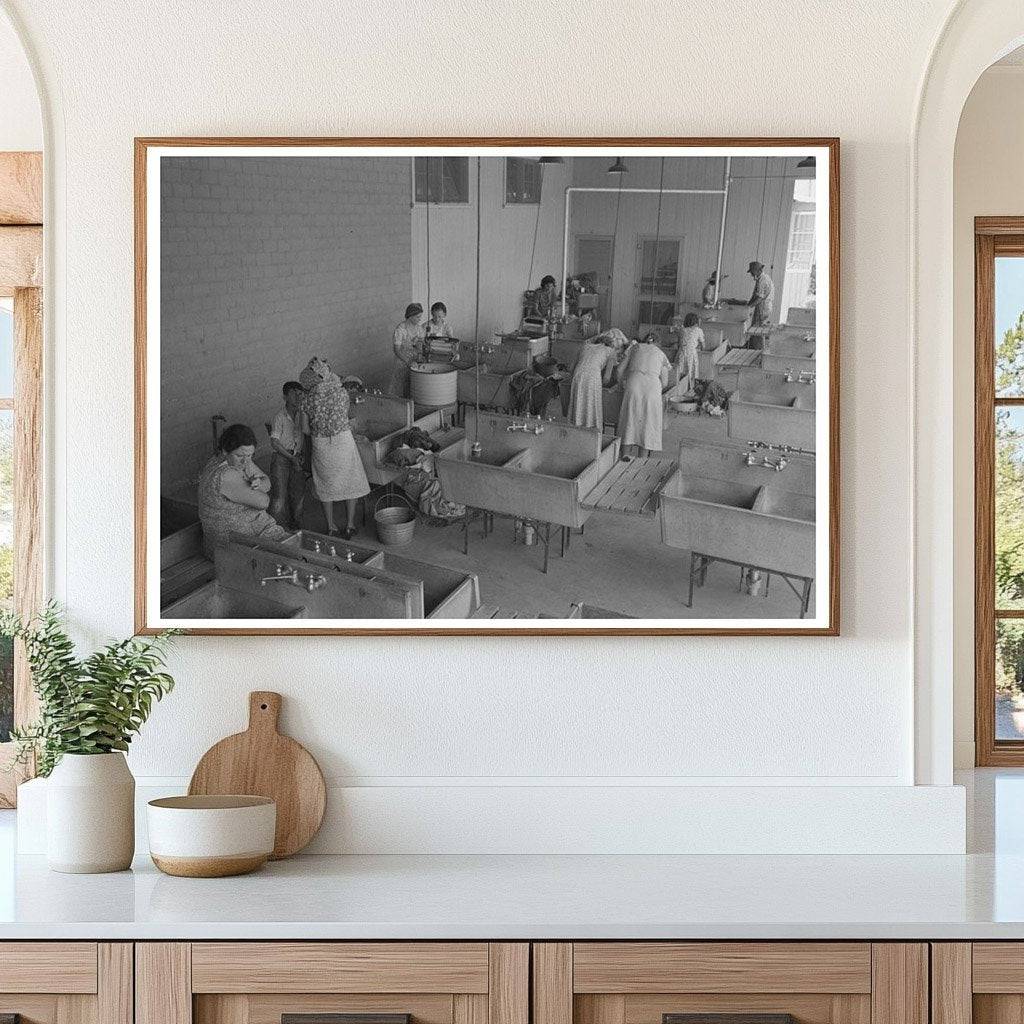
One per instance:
(21, 125)
(442, 714)
(988, 181)
(756, 225)
(519, 245)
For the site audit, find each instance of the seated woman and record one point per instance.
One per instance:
(593, 372)
(234, 493)
(338, 473)
(644, 374)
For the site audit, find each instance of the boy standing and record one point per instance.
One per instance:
(287, 476)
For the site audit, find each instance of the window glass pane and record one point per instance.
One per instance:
(1009, 325)
(1009, 510)
(6, 348)
(655, 312)
(1009, 679)
(6, 566)
(442, 179)
(522, 180)
(660, 267)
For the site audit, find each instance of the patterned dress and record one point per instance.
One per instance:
(586, 398)
(338, 473)
(220, 516)
(640, 418)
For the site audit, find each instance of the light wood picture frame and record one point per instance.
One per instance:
(189, 219)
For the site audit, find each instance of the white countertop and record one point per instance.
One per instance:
(977, 896)
(532, 897)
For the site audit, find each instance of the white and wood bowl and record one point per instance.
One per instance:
(211, 836)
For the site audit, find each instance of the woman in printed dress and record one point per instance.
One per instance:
(592, 373)
(644, 374)
(234, 493)
(338, 473)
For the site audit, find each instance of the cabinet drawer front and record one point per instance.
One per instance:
(998, 967)
(339, 967)
(269, 1009)
(57, 967)
(721, 967)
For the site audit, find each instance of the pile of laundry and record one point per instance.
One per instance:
(411, 454)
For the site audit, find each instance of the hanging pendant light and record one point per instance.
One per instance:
(808, 161)
(619, 167)
(551, 160)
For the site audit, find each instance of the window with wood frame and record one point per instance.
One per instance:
(21, 363)
(999, 490)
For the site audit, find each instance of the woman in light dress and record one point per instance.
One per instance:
(691, 341)
(644, 374)
(593, 372)
(338, 473)
(234, 493)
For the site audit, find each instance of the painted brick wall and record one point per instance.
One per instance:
(265, 262)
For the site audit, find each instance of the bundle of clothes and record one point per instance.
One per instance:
(412, 453)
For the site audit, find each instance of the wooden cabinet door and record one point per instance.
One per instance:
(977, 983)
(314, 982)
(737, 982)
(66, 982)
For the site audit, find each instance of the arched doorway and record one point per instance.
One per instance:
(976, 33)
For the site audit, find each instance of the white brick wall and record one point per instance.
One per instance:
(266, 261)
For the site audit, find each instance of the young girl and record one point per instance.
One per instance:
(691, 341)
(437, 325)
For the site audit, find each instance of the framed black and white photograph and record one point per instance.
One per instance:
(537, 386)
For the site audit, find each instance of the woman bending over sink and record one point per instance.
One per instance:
(234, 493)
(644, 374)
(338, 473)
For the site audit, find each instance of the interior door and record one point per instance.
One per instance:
(595, 254)
(656, 284)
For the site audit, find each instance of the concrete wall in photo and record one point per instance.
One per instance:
(267, 261)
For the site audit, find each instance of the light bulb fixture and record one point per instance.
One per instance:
(551, 160)
(619, 167)
(808, 161)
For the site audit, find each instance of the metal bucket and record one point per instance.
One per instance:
(433, 383)
(395, 523)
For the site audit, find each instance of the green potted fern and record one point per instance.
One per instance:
(89, 710)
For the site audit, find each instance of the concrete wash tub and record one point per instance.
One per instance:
(762, 525)
(783, 415)
(541, 477)
(375, 583)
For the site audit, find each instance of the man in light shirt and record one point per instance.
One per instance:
(762, 300)
(287, 475)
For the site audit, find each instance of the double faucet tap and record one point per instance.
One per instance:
(765, 462)
(536, 429)
(282, 575)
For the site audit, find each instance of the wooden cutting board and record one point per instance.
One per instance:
(262, 762)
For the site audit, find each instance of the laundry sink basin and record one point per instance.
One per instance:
(539, 474)
(763, 526)
(213, 600)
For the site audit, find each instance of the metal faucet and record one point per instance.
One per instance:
(281, 575)
(315, 582)
(537, 429)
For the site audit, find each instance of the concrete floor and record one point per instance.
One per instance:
(619, 564)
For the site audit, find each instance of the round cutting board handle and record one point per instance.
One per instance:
(264, 710)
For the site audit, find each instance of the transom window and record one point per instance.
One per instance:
(522, 181)
(441, 179)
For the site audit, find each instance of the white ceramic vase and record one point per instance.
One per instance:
(90, 814)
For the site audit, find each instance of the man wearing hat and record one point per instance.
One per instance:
(763, 297)
(409, 338)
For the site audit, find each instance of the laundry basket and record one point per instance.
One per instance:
(395, 523)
